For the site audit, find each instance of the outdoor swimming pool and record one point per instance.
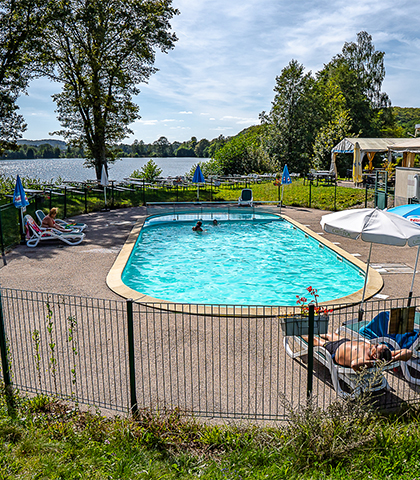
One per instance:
(247, 259)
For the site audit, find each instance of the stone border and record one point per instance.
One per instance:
(115, 283)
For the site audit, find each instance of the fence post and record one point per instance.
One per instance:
(335, 196)
(131, 361)
(144, 194)
(310, 193)
(65, 202)
(310, 351)
(2, 241)
(5, 363)
(86, 200)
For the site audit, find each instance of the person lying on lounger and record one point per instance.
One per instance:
(358, 354)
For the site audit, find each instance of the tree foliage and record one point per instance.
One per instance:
(309, 115)
(21, 26)
(148, 172)
(292, 119)
(101, 51)
(242, 154)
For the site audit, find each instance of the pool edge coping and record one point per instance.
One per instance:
(115, 283)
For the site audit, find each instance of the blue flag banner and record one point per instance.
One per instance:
(285, 179)
(19, 196)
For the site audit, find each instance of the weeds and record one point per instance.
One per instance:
(72, 340)
(51, 345)
(37, 355)
(50, 439)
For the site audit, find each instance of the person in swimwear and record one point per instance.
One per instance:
(49, 221)
(197, 227)
(358, 354)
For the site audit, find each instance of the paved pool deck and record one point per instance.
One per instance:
(82, 269)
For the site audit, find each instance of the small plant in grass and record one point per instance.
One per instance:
(72, 324)
(37, 355)
(317, 436)
(51, 345)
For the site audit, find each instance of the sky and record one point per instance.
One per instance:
(221, 74)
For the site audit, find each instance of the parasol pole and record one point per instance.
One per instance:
(361, 310)
(410, 295)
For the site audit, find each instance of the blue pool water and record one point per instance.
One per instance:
(261, 261)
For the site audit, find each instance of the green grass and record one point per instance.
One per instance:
(46, 439)
(323, 197)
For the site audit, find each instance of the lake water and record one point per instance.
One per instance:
(72, 168)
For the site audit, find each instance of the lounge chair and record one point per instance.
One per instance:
(69, 225)
(246, 198)
(376, 331)
(34, 234)
(370, 380)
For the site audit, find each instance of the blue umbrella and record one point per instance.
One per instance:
(410, 212)
(198, 178)
(285, 180)
(20, 199)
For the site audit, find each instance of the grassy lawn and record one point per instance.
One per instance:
(323, 197)
(50, 440)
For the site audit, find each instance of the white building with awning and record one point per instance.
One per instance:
(360, 147)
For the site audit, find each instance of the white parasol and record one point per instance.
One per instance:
(372, 225)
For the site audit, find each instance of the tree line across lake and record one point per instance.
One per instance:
(160, 148)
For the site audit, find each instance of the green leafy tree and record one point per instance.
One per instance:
(293, 119)
(101, 51)
(162, 147)
(184, 151)
(242, 154)
(201, 148)
(215, 145)
(148, 172)
(21, 27)
(359, 72)
(368, 63)
(336, 126)
(209, 168)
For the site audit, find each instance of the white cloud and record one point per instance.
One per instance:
(229, 53)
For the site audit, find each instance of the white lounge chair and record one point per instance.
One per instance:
(34, 234)
(69, 225)
(376, 332)
(246, 198)
(370, 380)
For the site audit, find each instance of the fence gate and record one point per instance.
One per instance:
(381, 189)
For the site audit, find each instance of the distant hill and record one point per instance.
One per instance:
(407, 117)
(36, 143)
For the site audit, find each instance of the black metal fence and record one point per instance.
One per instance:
(213, 361)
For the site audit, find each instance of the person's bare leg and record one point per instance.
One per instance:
(325, 337)
(318, 341)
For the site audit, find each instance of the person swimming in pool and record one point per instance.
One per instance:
(358, 354)
(215, 223)
(197, 227)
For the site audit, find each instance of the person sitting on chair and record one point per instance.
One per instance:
(358, 354)
(49, 221)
